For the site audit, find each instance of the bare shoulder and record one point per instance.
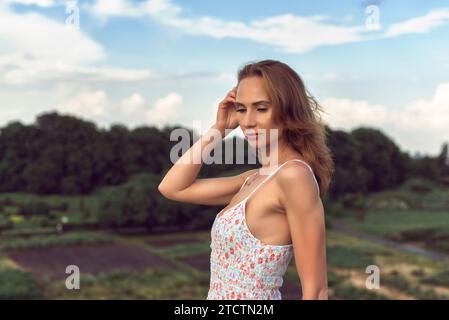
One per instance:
(296, 180)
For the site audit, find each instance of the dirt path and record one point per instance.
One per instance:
(341, 226)
(52, 262)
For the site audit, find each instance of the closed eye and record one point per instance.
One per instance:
(260, 109)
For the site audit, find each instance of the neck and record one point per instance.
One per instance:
(284, 153)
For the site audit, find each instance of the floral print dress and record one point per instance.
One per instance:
(241, 265)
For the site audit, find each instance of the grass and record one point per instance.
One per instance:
(347, 256)
(440, 278)
(43, 241)
(344, 257)
(149, 284)
(430, 198)
(346, 279)
(381, 223)
(18, 284)
(348, 291)
(77, 208)
(184, 250)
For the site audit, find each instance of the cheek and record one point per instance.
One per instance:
(266, 120)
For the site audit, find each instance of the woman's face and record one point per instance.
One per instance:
(254, 112)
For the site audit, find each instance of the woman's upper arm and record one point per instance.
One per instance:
(211, 191)
(305, 215)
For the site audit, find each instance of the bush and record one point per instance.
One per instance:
(130, 204)
(17, 284)
(63, 206)
(390, 203)
(426, 294)
(353, 201)
(439, 279)
(5, 223)
(35, 208)
(7, 202)
(138, 203)
(396, 281)
(334, 279)
(335, 209)
(110, 209)
(418, 185)
(400, 283)
(354, 204)
(419, 272)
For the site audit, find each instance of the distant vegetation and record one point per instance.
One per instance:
(60, 154)
(62, 180)
(62, 166)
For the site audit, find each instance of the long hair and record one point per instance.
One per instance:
(298, 113)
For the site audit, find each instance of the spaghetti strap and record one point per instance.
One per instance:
(272, 174)
(313, 174)
(243, 184)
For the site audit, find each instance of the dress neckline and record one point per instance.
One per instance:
(265, 180)
(244, 200)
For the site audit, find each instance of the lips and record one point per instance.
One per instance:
(251, 136)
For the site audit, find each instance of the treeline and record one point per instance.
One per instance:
(61, 154)
(367, 160)
(65, 155)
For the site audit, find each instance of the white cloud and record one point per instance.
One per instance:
(87, 104)
(288, 32)
(40, 3)
(431, 115)
(421, 24)
(419, 125)
(34, 48)
(165, 109)
(18, 69)
(124, 8)
(132, 104)
(36, 36)
(347, 113)
(115, 7)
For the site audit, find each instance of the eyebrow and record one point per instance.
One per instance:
(254, 103)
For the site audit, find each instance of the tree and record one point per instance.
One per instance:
(380, 157)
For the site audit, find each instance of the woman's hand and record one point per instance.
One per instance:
(226, 115)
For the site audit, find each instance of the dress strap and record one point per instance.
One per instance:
(276, 170)
(313, 174)
(247, 178)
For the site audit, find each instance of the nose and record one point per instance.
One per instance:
(250, 120)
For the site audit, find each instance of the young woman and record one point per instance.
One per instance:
(271, 214)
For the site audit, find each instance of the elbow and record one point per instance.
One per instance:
(163, 191)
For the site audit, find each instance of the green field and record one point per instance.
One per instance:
(402, 275)
(33, 256)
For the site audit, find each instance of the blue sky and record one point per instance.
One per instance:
(156, 62)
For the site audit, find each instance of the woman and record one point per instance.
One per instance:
(255, 236)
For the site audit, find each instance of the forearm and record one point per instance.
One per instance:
(185, 170)
(315, 294)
